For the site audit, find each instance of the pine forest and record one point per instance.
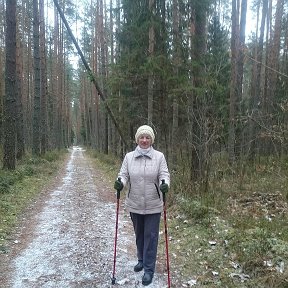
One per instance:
(210, 77)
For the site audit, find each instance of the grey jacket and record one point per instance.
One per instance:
(143, 174)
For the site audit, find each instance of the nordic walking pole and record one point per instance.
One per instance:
(166, 237)
(116, 230)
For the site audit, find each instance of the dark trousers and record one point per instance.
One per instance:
(146, 229)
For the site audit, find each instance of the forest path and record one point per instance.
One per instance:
(67, 237)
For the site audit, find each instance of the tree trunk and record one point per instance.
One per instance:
(233, 111)
(256, 85)
(2, 92)
(176, 65)
(20, 149)
(44, 85)
(9, 153)
(196, 105)
(103, 76)
(114, 138)
(273, 57)
(36, 114)
(150, 58)
(273, 51)
(240, 139)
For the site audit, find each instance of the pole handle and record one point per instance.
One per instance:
(164, 194)
(118, 191)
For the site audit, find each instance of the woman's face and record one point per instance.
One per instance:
(144, 141)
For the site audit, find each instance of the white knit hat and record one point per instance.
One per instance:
(145, 129)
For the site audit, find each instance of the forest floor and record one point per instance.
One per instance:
(66, 238)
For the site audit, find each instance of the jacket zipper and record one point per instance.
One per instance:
(144, 184)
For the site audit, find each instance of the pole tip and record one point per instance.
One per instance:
(113, 281)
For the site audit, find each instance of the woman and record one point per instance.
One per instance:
(144, 169)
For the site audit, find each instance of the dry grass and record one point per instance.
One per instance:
(234, 235)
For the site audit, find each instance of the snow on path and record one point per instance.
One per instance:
(73, 240)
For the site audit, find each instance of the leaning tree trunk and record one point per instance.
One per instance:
(92, 77)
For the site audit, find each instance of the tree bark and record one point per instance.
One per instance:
(196, 103)
(36, 111)
(233, 111)
(9, 153)
(273, 57)
(103, 73)
(44, 85)
(151, 49)
(255, 111)
(176, 65)
(20, 149)
(273, 51)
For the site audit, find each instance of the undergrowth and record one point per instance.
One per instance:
(19, 187)
(233, 233)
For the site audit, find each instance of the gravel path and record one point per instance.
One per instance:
(67, 237)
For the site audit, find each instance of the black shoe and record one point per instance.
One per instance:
(138, 267)
(147, 279)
